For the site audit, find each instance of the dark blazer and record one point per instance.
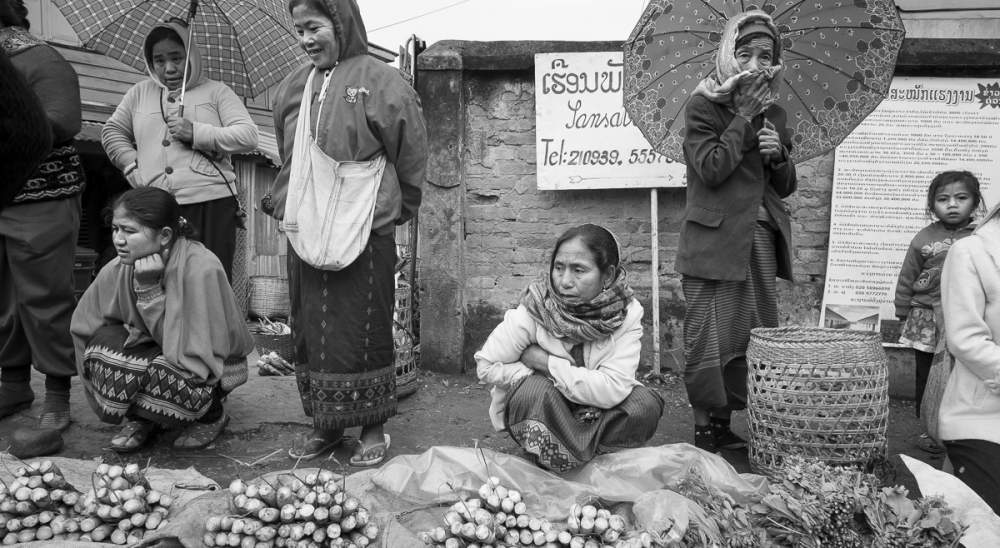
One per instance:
(726, 183)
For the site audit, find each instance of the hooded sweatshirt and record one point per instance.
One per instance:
(369, 110)
(137, 132)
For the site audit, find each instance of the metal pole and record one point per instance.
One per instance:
(192, 10)
(654, 224)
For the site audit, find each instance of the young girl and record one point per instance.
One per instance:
(159, 337)
(952, 198)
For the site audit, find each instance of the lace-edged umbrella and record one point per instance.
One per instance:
(839, 57)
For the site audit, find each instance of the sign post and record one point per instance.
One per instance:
(586, 140)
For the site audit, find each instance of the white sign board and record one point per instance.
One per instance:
(584, 137)
(924, 126)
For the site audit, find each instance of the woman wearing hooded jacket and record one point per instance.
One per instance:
(735, 237)
(360, 113)
(189, 156)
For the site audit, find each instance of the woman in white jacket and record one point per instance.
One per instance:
(563, 363)
(969, 419)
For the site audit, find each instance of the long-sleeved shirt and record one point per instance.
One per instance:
(919, 281)
(604, 380)
(137, 133)
(970, 299)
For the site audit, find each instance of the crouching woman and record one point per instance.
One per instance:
(562, 365)
(159, 328)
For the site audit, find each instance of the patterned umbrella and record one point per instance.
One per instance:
(839, 57)
(248, 45)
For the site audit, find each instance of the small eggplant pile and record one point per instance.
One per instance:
(37, 505)
(122, 507)
(591, 527)
(498, 518)
(312, 511)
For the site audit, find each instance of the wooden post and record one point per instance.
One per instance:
(654, 228)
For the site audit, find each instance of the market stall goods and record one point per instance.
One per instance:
(499, 518)
(40, 505)
(313, 510)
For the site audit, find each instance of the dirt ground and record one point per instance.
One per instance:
(444, 410)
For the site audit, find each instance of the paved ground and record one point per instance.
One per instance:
(445, 410)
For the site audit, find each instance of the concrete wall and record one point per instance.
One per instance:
(486, 230)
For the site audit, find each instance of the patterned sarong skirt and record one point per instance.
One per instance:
(138, 382)
(342, 327)
(543, 422)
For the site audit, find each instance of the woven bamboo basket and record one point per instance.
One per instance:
(819, 393)
(282, 344)
(406, 354)
(268, 297)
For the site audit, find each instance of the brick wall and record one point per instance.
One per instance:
(505, 232)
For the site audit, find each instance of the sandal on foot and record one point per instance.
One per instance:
(132, 436)
(201, 434)
(371, 455)
(312, 445)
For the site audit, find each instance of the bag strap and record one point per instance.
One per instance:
(229, 184)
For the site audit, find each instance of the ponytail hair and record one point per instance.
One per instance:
(155, 208)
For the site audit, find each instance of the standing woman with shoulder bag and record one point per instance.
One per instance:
(353, 144)
(969, 417)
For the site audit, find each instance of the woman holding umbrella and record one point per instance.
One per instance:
(345, 112)
(176, 130)
(735, 237)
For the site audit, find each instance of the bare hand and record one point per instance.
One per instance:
(751, 96)
(181, 129)
(770, 144)
(536, 358)
(148, 270)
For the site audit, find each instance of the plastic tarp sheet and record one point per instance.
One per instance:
(970, 508)
(184, 485)
(410, 493)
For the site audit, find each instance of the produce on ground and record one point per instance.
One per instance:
(271, 364)
(40, 505)
(309, 511)
(499, 518)
(807, 504)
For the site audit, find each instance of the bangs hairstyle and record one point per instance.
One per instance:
(946, 178)
(598, 240)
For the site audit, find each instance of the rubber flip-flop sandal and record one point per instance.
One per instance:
(358, 459)
(313, 447)
(135, 435)
(201, 434)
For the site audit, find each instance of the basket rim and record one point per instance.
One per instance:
(802, 334)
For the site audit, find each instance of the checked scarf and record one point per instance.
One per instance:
(575, 321)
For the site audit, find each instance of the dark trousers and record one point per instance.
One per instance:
(37, 252)
(923, 362)
(215, 224)
(975, 463)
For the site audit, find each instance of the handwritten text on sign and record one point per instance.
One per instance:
(584, 137)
